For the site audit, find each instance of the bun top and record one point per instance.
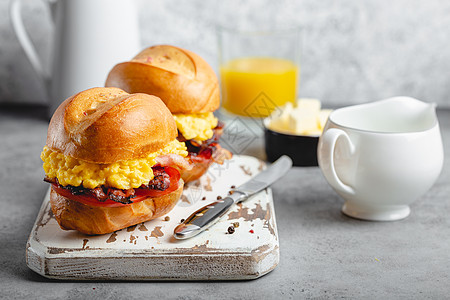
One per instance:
(106, 125)
(181, 78)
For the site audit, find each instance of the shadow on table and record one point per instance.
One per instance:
(30, 275)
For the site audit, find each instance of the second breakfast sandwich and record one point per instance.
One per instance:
(190, 89)
(113, 160)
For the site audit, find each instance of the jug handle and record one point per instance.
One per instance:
(25, 41)
(326, 156)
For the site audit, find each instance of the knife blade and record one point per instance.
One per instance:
(206, 216)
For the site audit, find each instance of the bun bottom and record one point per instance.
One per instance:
(198, 169)
(73, 215)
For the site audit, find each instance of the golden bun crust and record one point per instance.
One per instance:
(73, 215)
(181, 78)
(106, 125)
(198, 169)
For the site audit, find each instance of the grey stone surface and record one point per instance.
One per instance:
(324, 254)
(353, 51)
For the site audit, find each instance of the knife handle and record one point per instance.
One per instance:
(203, 218)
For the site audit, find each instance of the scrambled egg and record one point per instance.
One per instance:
(196, 126)
(122, 174)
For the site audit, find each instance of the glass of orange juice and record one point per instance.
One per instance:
(259, 70)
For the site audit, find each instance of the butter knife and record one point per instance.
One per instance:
(206, 216)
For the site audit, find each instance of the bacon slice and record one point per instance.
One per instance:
(207, 150)
(221, 154)
(173, 160)
(160, 182)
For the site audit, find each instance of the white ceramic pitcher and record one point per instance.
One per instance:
(91, 36)
(381, 156)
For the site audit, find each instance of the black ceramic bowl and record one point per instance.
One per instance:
(302, 149)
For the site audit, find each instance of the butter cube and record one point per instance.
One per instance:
(280, 121)
(323, 117)
(305, 117)
(302, 120)
(310, 104)
(316, 132)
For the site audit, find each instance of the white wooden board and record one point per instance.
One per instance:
(148, 250)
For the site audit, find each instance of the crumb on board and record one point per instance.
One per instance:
(246, 170)
(208, 186)
(184, 198)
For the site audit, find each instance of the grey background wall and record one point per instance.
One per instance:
(353, 51)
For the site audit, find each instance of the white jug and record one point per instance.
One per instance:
(381, 156)
(91, 36)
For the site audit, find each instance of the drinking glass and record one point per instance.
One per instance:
(259, 70)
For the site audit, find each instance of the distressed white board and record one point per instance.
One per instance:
(148, 250)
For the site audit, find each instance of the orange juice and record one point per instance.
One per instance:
(254, 86)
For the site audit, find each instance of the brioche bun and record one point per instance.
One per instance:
(92, 220)
(105, 125)
(181, 78)
(198, 169)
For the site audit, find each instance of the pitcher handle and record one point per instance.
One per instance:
(15, 10)
(328, 144)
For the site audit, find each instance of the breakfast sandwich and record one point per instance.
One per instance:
(190, 89)
(113, 160)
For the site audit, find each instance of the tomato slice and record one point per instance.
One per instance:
(140, 193)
